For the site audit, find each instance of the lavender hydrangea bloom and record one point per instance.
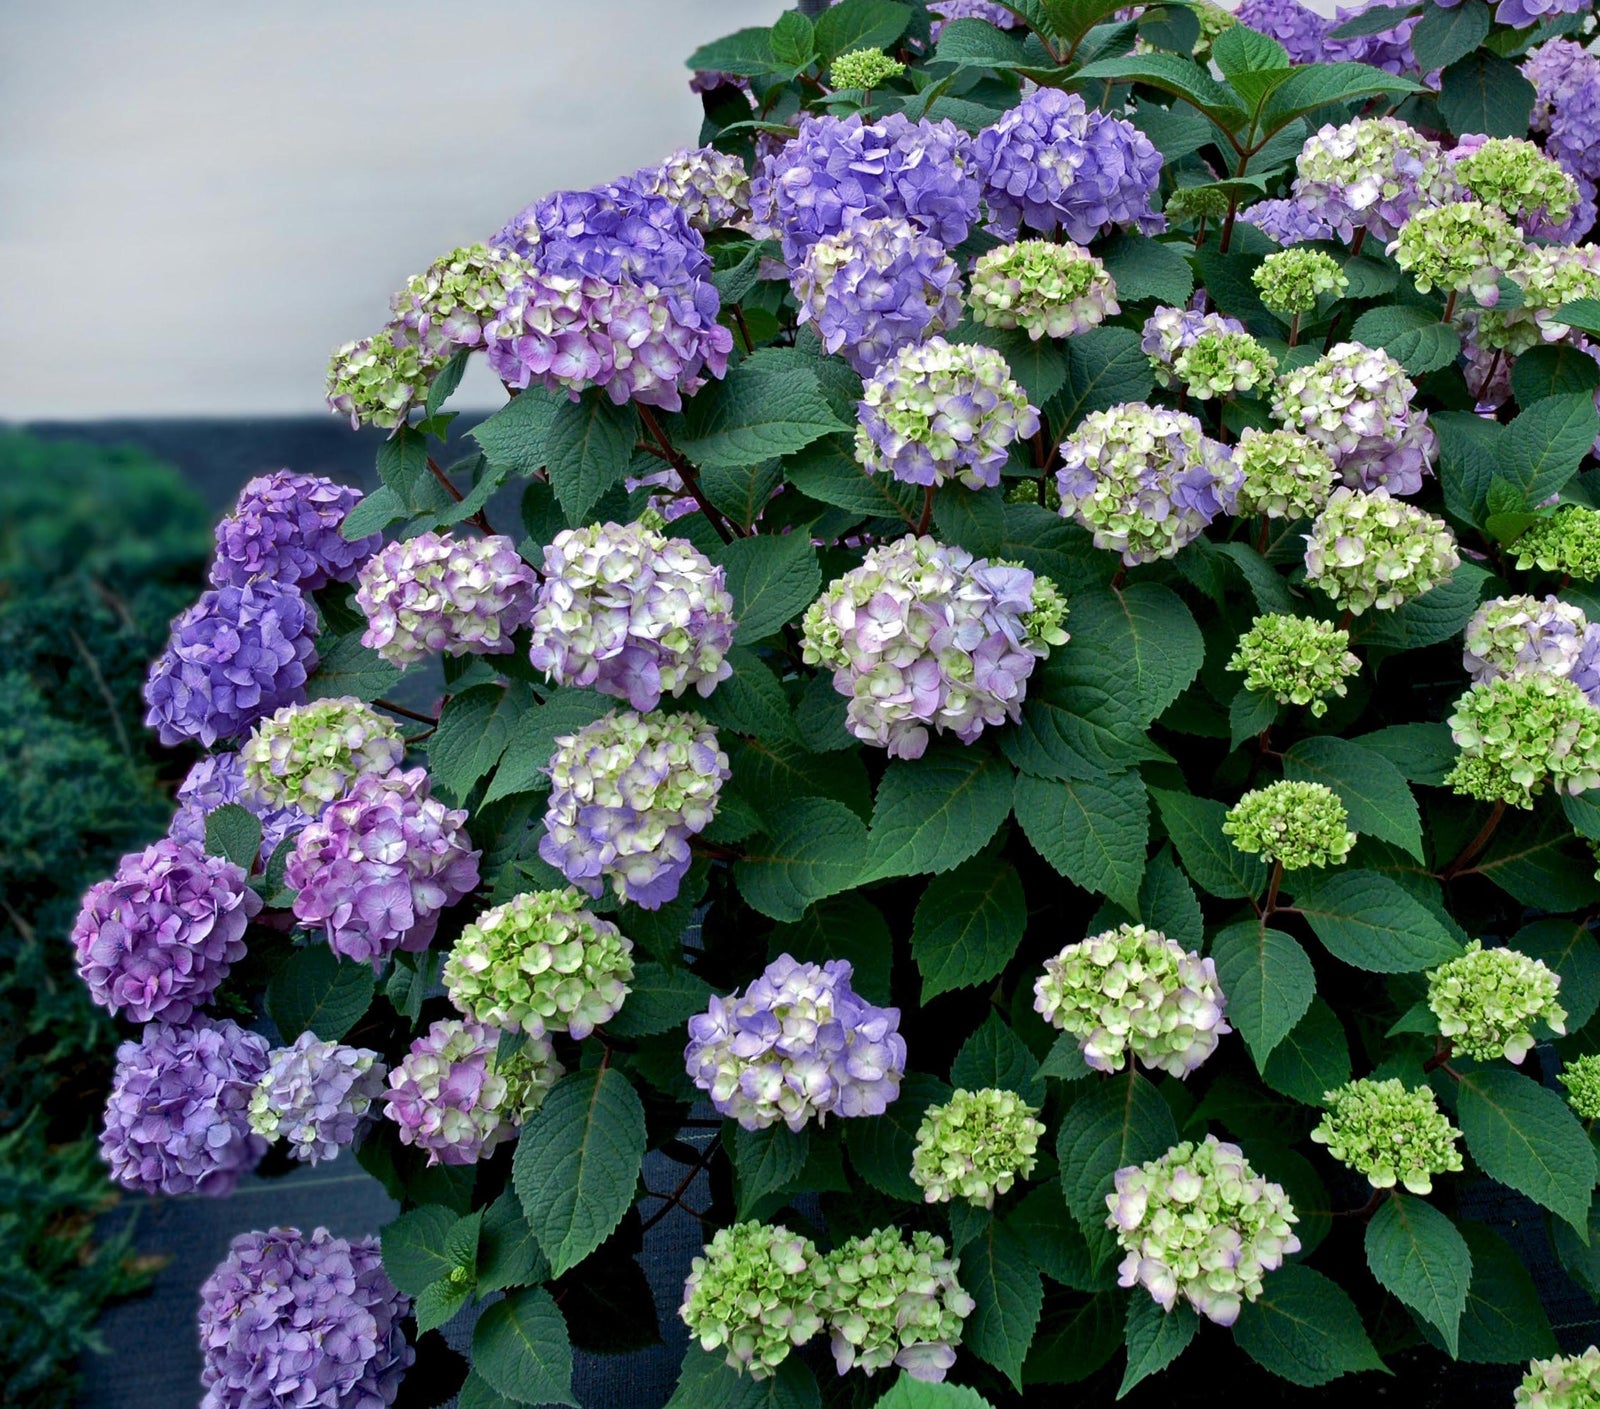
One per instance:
(1386, 49)
(376, 868)
(1559, 70)
(217, 780)
(947, 10)
(1300, 29)
(1520, 14)
(177, 1120)
(798, 1044)
(711, 188)
(1287, 222)
(1051, 164)
(631, 613)
(156, 939)
(235, 655)
(1372, 174)
(314, 1322)
(286, 528)
(447, 305)
(1520, 636)
(315, 1095)
(1168, 331)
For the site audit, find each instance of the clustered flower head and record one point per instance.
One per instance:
(315, 1094)
(1372, 550)
(1224, 364)
(939, 411)
(450, 303)
(1356, 402)
(1522, 635)
(285, 1317)
(1284, 474)
(455, 1096)
(626, 794)
(754, 1293)
(1562, 1381)
(863, 69)
(1513, 175)
(1487, 1001)
(1292, 280)
(305, 756)
(375, 381)
(1549, 277)
(1390, 1133)
(1567, 542)
(1132, 989)
(1517, 734)
(217, 780)
(1462, 247)
(923, 636)
(538, 963)
(1288, 222)
(238, 653)
(1520, 14)
(436, 592)
(177, 1120)
(286, 529)
(1299, 824)
(1582, 1080)
(1169, 331)
(1046, 289)
(1200, 1223)
(711, 188)
(890, 1299)
(626, 611)
(1051, 164)
(975, 1146)
(799, 1043)
(997, 15)
(1144, 480)
(1296, 659)
(1371, 174)
(376, 868)
(1196, 203)
(874, 286)
(157, 938)
(1558, 69)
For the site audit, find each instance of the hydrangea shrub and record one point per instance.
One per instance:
(1018, 696)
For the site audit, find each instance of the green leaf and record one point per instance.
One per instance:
(1182, 77)
(1133, 651)
(1304, 1329)
(1485, 93)
(760, 412)
(508, 1253)
(1371, 923)
(841, 927)
(935, 812)
(1420, 1256)
(1505, 1321)
(1372, 789)
(436, 1304)
(996, 1271)
(588, 447)
(1414, 337)
(772, 578)
(968, 925)
(234, 833)
(1240, 50)
(1423, 753)
(1555, 369)
(1213, 862)
(1248, 714)
(1069, 733)
(793, 40)
(1077, 1336)
(1314, 86)
(475, 728)
(750, 701)
(577, 1163)
(814, 848)
(1443, 36)
(660, 1000)
(1155, 1338)
(881, 1146)
(745, 52)
(706, 1381)
(973, 43)
(520, 1348)
(1542, 449)
(1167, 902)
(1374, 21)
(1105, 367)
(1433, 617)
(828, 473)
(1269, 982)
(522, 768)
(1568, 947)
(346, 667)
(376, 511)
(1527, 1138)
(909, 1393)
(1093, 832)
(414, 1248)
(1368, 277)
(1145, 268)
(994, 1056)
(315, 991)
(515, 435)
(860, 24)
(403, 468)
(1054, 1241)
(765, 1161)
(1311, 1059)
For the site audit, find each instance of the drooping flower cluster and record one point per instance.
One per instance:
(1519, 636)
(1288, 222)
(1371, 174)
(286, 529)
(1168, 331)
(1518, 734)
(1299, 824)
(1292, 280)
(1132, 989)
(1200, 1223)
(1144, 480)
(436, 592)
(863, 70)
(1296, 659)
(157, 938)
(754, 1293)
(1046, 289)
(1391, 1134)
(454, 299)
(375, 381)
(798, 1044)
(1463, 247)
(215, 781)
(1284, 474)
(1224, 364)
(305, 756)
(1488, 1000)
(923, 636)
(711, 188)
(939, 411)
(1562, 1381)
(626, 794)
(177, 1120)
(285, 1317)
(1372, 550)
(376, 868)
(626, 611)
(540, 963)
(315, 1094)
(1513, 175)
(975, 1146)
(457, 1097)
(237, 654)
(1567, 542)
(1051, 165)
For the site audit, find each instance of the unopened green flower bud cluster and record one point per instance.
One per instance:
(1561, 1382)
(1463, 247)
(1512, 174)
(1296, 659)
(1224, 364)
(1517, 735)
(307, 755)
(1299, 824)
(1047, 290)
(1371, 550)
(975, 1146)
(1286, 475)
(1196, 203)
(1567, 542)
(377, 380)
(754, 1295)
(1390, 1133)
(1292, 280)
(1488, 1000)
(864, 69)
(1582, 1080)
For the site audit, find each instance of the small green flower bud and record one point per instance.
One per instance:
(1389, 1133)
(755, 1292)
(1296, 659)
(1488, 1000)
(1045, 623)
(1286, 475)
(1196, 203)
(1515, 735)
(1299, 824)
(1292, 280)
(1582, 1080)
(1568, 542)
(1224, 364)
(975, 1147)
(864, 69)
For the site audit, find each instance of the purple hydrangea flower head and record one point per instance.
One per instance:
(286, 529)
(177, 1120)
(436, 592)
(1371, 174)
(449, 303)
(1558, 69)
(1520, 14)
(1287, 222)
(875, 286)
(215, 781)
(314, 1322)
(305, 756)
(626, 794)
(315, 1095)
(1386, 49)
(1168, 331)
(1549, 277)
(626, 611)
(947, 10)
(798, 1044)
(235, 655)
(923, 636)
(1050, 164)
(455, 1096)
(156, 939)
(376, 868)
(1300, 29)
(711, 188)
(1520, 636)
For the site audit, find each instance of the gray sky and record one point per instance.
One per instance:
(200, 200)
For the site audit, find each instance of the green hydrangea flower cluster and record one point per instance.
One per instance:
(1370, 550)
(1582, 1080)
(1299, 824)
(1568, 542)
(451, 300)
(1390, 1133)
(1561, 1382)
(1516, 735)
(1487, 1001)
(1549, 276)
(975, 1146)
(1224, 364)
(1296, 659)
(1047, 290)
(1292, 280)
(1512, 174)
(377, 380)
(307, 755)
(864, 69)
(1462, 247)
(1046, 621)
(1196, 203)
(1286, 475)
(540, 962)
(755, 1293)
